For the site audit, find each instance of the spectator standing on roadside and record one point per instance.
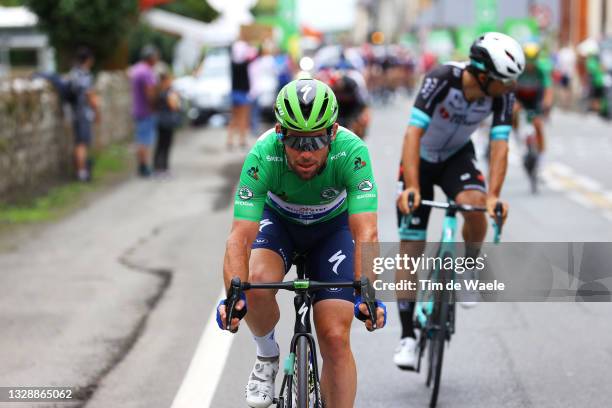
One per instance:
(143, 82)
(168, 118)
(285, 69)
(82, 98)
(566, 65)
(263, 78)
(241, 56)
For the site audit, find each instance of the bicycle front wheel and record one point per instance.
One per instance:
(437, 343)
(440, 332)
(306, 391)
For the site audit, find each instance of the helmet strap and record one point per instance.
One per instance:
(484, 86)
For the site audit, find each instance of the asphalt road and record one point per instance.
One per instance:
(116, 299)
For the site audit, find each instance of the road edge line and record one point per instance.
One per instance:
(206, 367)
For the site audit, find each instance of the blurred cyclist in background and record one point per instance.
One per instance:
(534, 91)
(350, 89)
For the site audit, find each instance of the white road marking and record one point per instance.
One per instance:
(561, 169)
(580, 199)
(583, 190)
(588, 183)
(204, 373)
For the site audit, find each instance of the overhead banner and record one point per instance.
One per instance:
(440, 43)
(464, 37)
(486, 16)
(522, 29)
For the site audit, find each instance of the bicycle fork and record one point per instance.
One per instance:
(302, 304)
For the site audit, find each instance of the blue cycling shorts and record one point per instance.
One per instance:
(329, 246)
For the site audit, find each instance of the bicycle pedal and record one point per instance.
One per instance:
(406, 368)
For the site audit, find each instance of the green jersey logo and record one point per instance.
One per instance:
(245, 194)
(359, 164)
(329, 193)
(254, 172)
(365, 185)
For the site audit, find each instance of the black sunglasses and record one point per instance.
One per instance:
(307, 143)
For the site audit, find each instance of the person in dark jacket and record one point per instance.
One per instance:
(83, 101)
(168, 117)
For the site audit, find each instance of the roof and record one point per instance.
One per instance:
(17, 17)
(219, 32)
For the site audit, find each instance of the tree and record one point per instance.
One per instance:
(100, 25)
(11, 3)
(198, 9)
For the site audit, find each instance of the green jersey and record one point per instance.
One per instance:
(595, 71)
(345, 183)
(537, 78)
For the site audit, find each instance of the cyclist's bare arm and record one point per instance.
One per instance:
(364, 229)
(236, 261)
(548, 98)
(410, 162)
(497, 174)
(238, 250)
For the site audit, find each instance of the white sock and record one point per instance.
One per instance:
(266, 345)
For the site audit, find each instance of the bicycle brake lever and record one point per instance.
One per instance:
(368, 296)
(233, 296)
(499, 214)
(410, 202)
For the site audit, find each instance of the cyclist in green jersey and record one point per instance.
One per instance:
(307, 186)
(596, 75)
(534, 91)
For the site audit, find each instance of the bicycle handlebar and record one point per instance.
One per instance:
(368, 294)
(499, 211)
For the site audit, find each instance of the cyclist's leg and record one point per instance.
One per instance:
(463, 181)
(412, 233)
(333, 318)
(269, 261)
(332, 259)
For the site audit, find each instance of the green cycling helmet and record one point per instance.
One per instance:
(306, 105)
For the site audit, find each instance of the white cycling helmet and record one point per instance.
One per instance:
(499, 55)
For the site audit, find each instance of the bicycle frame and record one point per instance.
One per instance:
(424, 308)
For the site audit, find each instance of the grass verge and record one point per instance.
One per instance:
(109, 164)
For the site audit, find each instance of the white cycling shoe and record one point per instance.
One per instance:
(469, 299)
(405, 356)
(260, 388)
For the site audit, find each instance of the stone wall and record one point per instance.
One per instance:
(36, 138)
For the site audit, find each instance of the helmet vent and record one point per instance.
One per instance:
(289, 109)
(323, 108)
(306, 110)
(510, 56)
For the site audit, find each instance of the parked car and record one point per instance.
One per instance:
(208, 91)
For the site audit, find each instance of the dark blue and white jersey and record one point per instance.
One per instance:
(449, 119)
